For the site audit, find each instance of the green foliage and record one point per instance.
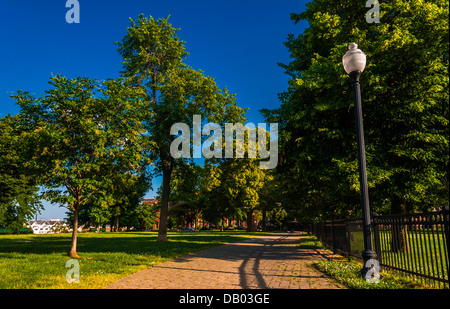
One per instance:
(82, 134)
(80, 130)
(186, 182)
(128, 191)
(146, 216)
(173, 92)
(186, 197)
(18, 188)
(153, 60)
(234, 188)
(405, 105)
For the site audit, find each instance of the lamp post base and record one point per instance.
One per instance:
(368, 255)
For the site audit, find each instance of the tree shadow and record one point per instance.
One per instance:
(128, 243)
(250, 253)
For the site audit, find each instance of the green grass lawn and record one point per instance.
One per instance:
(38, 261)
(310, 242)
(349, 273)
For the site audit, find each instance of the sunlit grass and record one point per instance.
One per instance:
(349, 273)
(39, 261)
(310, 242)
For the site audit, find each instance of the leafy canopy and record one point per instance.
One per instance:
(405, 106)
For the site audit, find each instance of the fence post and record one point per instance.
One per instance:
(347, 237)
(445, 217)
(332, 236)
(376, 237)
(323, 233)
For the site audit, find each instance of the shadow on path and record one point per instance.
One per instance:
(262, 262)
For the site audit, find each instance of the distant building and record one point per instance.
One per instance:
(48, 226)
(149, 201)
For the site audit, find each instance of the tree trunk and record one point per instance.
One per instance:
(399, 240)
(167, 172)
(73, 249)
(249, 221)
(116, 224)
(264, 219)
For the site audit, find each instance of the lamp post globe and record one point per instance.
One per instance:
(354, 62)
(354, 59)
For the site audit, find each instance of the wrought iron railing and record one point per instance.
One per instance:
(415, 245)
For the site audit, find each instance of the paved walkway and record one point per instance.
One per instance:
(262, 262)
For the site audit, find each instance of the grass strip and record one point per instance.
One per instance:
(349, 274)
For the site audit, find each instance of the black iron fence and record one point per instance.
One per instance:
(414, 245)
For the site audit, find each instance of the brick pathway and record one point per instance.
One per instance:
(263, 262)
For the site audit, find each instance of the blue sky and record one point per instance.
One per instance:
(239, 43)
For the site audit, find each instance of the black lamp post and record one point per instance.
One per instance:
(354, 63)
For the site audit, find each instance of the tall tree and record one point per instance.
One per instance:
(215, 204)
(243, 180)
(233, 186)
(83, 132)
(405, 105)
(153, 58)
(185, 190)
(144, 217)
(128, 190)
(269, 200)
